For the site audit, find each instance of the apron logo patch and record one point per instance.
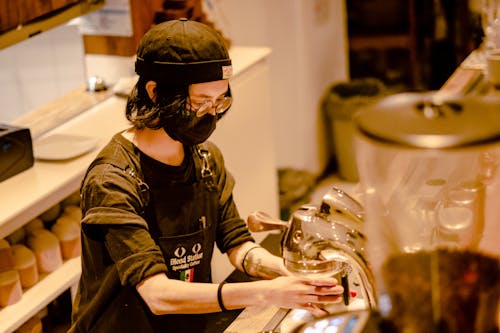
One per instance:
(185, 263)
(187, 275)
(180, 252)
(196, 248)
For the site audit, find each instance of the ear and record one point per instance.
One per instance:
(151, 89)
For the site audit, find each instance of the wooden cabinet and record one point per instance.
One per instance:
(28, 10)
(410, 44)
(21, 12)
(8, 15)
(378, 32)
(22, 19)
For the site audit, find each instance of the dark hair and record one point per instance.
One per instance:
(143, 112)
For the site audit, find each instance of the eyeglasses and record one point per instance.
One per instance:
(203, 107)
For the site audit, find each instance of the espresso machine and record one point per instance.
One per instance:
(429, 172)
(323, 240)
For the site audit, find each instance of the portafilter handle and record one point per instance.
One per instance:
(259, 221)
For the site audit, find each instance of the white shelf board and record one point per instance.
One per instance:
(31, 192)
(40, 295)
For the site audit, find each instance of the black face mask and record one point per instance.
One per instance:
(190, 129)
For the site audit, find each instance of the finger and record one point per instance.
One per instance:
(332, 299)
(336, 290)
(324, 290)
(322, 299)
(321, 282)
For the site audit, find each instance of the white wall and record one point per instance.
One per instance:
(38, 70)
(309, 52)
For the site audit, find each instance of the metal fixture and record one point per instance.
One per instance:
(325, 241)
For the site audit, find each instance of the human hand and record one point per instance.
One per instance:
(302, 293)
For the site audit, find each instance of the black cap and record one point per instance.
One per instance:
(183, 52)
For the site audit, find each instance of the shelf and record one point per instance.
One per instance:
(48, 183)
(59, 111)
(40, 295)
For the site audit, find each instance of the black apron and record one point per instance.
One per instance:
(183, 223)
(188, 256)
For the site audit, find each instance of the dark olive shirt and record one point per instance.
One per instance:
(118, 250)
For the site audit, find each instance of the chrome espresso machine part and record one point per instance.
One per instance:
(326, 241)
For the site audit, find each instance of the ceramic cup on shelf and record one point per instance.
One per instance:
(493, 67)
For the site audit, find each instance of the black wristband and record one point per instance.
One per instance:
(219, 296)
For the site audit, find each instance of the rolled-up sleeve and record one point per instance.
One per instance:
(111, 207)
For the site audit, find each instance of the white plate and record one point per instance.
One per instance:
(62, 146)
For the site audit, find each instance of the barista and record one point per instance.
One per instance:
(158, 198)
